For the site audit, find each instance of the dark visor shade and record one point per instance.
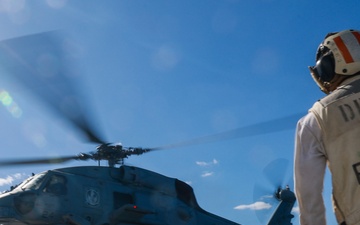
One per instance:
(324, 70)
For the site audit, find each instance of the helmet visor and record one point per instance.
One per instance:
(324, 70)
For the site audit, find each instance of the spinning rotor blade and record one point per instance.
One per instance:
(277, 176)
(272, 126)
(276, 171)
(38, 161)
(41, 63)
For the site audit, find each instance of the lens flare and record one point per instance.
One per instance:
(8, 102)
(5, 98)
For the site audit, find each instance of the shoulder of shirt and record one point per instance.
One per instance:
(308, 124)
(309, 120)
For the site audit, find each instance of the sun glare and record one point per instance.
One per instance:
(8, 102)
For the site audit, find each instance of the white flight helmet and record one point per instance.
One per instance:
(338, 54)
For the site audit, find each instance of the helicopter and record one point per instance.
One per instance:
(116, 194)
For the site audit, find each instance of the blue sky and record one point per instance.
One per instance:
(160, 72)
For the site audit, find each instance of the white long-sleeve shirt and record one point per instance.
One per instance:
(309, 171)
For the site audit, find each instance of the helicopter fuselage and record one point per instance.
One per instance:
(95, 195)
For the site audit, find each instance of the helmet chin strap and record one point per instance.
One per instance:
(324, 86)
(328, 87)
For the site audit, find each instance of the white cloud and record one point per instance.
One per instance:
(11, 178)
(296, 210)
(202, 163)
(207, 174)
(207, 164)
(6, 181)
(254, 206)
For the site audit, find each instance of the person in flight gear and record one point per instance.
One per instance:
(330, 134)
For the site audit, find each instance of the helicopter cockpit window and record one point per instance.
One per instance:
(185, 193)
(56, 185)
(33, 183)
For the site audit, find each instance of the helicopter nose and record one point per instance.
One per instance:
(7, 210)
(24, 202)
(19, 203)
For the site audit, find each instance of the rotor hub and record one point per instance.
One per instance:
(113, 154)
